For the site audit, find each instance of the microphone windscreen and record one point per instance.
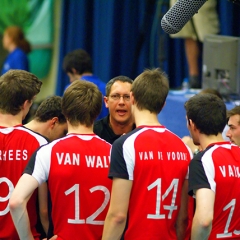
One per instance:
(179, 14)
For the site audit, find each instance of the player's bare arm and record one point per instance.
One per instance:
(117, 214)
(18, 201)
(202, 221)
(43, 205)
(182, 220)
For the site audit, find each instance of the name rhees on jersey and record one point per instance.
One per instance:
(20, 154)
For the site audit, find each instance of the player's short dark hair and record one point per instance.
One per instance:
(120, 78)
(78, 59)
(150, 90)
(208, 113)
(50, 108)
(234, 111)
(82, 103)
(16, 87)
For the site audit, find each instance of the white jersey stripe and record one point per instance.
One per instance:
(208, 164)
(39, 137)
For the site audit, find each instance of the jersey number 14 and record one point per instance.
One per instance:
(159, 198)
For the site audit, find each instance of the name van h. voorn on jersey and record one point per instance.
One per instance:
(151, 155)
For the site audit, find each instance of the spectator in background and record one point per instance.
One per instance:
(78, 66)
(203, 23)
(120, 119)
(18, 47)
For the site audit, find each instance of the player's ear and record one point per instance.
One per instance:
(132, 100)
(27, 103)
(74, 71)
(53, 121)
(105, 99)
(192, 124)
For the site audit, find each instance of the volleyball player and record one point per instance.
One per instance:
(17, 143)
(214, 174)
(149, 168)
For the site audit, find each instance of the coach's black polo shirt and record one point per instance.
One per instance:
(104, 131)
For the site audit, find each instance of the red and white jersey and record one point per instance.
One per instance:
(76, 168)
(218, 168)
(17, 144)
(156, 160)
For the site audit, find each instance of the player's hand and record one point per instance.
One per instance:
(54, 237)
(189, 142)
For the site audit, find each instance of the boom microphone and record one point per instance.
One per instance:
(179, 14)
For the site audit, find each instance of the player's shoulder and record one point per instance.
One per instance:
(101, 140)
(64, 141)
(50, 145)
(33, 133)
(25, 132)
(152, 131)
(140, 131)
(207, 154)
(131, 136)
(172, 136)
(218, 148)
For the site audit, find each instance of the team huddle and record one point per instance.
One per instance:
(109, 180)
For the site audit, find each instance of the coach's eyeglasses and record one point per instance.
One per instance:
(117, 97)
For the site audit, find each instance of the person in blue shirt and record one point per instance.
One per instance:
(78, 66)
(18, 47)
